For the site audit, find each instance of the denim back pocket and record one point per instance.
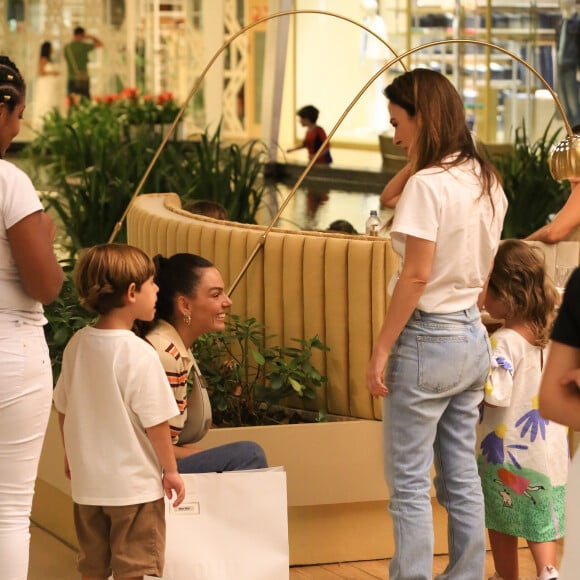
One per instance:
(442, 362)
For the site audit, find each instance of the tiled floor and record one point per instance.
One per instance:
(50, 559)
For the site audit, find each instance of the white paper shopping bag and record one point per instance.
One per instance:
(231, 526)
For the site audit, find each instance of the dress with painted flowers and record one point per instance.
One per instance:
(522, 458)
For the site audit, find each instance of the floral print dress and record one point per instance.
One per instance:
(522, 458)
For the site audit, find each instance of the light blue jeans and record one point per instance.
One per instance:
(436, 375)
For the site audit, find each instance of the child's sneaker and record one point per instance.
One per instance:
(496, 576)
(548, 573)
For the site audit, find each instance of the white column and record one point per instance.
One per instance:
(213, 38)
(131, 28)
(274, 70)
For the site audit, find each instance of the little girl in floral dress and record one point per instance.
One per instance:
(522, 458)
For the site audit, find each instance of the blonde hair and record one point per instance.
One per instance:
(520, 281)
(105, 272)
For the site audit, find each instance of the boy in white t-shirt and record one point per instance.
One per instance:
(114, 404)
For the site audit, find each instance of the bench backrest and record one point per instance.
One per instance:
(300, 284)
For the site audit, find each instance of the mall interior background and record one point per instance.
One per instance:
(268, 72)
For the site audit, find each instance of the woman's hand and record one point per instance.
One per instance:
(375, 382)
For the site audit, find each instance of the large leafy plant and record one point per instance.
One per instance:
(65, 316)
(247, 379)
(93, 158)
(230, 174)
(91, 165)
(533, 195)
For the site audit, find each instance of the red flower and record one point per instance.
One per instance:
(165, 97)
(130, 93)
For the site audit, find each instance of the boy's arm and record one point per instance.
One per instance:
(61, 417)
(161, 441)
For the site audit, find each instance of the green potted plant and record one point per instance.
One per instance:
(533, 195)
(91, 161)
(247, 379)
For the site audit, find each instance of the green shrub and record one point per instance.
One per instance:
(533, 195)
(93, 158)
(65, 316)
(246, 379)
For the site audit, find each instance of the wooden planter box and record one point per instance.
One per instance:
(337, 498)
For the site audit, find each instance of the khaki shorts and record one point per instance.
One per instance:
(121, 540)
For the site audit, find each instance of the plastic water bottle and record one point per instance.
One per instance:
(373, 224)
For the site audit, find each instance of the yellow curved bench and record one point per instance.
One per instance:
(299, 284)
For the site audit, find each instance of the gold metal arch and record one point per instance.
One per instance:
(199, 80)
(565, 162)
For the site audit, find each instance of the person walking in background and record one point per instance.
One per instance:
(560, 402)
(114, 404)
(446, 230)
(522, 458)
(30, 276)
(47, 91)
(76, 53)
(315, 135)
(192, 302)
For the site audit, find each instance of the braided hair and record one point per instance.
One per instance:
(12, 85)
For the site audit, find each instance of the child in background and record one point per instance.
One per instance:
(206, 207)
(315, 135)
(342, 226)
(522, 458)
(114, 404)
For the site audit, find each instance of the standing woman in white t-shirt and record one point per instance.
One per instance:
(446, 231)
(30, 276)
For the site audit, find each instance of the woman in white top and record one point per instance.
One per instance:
(48, 91)
(30, 276)
(446, 231)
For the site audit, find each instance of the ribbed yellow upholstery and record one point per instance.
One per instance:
(300, 284)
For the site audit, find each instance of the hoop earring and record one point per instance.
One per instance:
(187, 319)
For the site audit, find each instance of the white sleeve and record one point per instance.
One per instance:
(499, 388)
(153, 401)
(418, 209)
(17, 195)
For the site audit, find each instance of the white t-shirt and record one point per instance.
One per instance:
(111, 388)
(18, 199)
(444, 206)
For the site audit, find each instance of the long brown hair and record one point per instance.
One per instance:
(442, 130)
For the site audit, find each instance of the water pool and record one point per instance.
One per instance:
(315, 206)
